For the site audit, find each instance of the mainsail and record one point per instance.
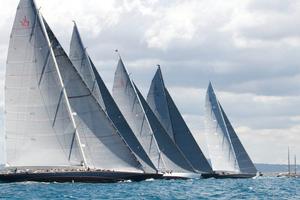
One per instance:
(50, 111)
(169, 116)
(38, 127)
(162, 151)
(90, 75)
(225, 149)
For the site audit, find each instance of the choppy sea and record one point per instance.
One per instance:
(260, 188)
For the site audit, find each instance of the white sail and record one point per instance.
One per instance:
(131, 109)
(50, 112)
(157, 100)
(38, 128)
(173, 158)
(87, 70)
(102, 144)
(225, 149)
(244, 162)
(81, 62)
(169, 116)
(163, 153)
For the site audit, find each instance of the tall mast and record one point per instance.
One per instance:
(295, 159)
(289, 166)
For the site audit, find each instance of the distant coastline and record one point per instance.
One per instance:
(274, 168)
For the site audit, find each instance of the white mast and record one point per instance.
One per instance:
(295, 159)
(289, 164)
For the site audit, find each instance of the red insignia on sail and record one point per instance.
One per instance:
(121, 83)
(25, 22)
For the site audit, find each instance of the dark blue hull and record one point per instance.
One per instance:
(223, 176)
(90, 177)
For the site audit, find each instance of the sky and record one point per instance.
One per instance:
(249, 50)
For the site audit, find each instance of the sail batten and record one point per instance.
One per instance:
(226, 151)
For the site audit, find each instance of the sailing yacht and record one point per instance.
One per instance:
(169, 116)
(162, 151)
(55, 129)
(228, 157)
(290, 174)
(86, 68)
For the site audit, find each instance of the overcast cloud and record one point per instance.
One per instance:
(249, 49)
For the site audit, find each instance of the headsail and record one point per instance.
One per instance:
(169, 116)
(90, 75)
(225, 149)
(133, 108)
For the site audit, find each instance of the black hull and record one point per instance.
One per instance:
(225, 176)
(89, 177)
(174, 178)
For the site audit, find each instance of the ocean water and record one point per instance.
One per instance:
(261, 188)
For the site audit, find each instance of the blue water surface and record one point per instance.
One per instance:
(261, 188)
